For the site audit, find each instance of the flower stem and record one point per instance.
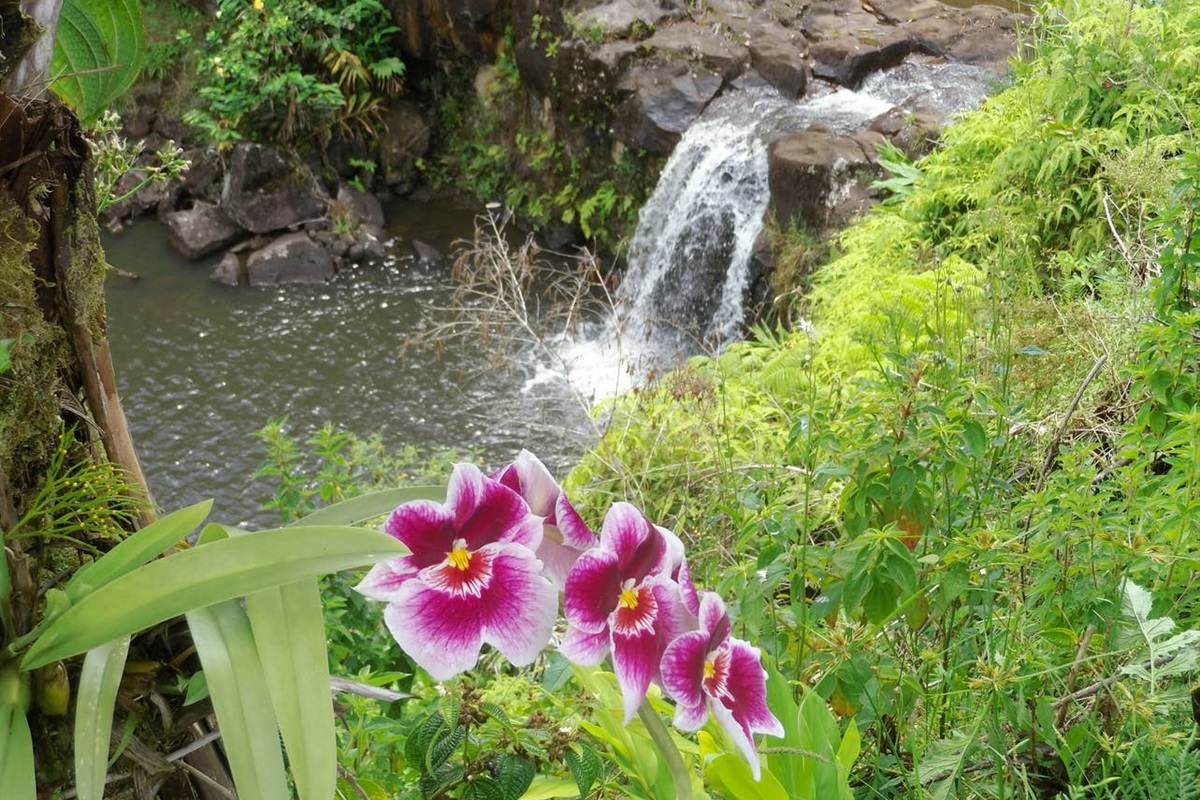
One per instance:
(670, 753)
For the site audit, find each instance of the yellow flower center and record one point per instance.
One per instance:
(710, 670)
(628, 599)
(459, 558)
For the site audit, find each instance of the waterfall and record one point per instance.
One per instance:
(690, 258)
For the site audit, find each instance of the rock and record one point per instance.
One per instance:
(618, 18)
(426, 254)
(702, 45)
(202, 179)
(664, 100)
(263, 193)
(144, 199)
(406, 140)
(228, 271)
(364, 208)
(291, 258)
(849, 61)
(914, 132)
(820, 179)
(466, 27)
(200, 230)
(781, 64)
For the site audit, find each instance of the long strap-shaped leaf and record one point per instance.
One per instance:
(16, 755)
(142, 546)
(371, 505)
(98, 684)
(241, 699)
(203, 576)
(289, 630)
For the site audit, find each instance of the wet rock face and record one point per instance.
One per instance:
(291, 258)
(821, 177)
(201, 230)
(468, 27)
(664, 100)
(263, 193)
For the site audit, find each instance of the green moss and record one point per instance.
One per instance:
(30, 412)
(85, 279)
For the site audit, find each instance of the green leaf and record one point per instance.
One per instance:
(138, 549)
(546, 788)
(514, 775)
(289, 630)
(241, 698)
(202, 576)
(16, 755)
(97, 53)
(731, 775)
(585, 768)
(368, 506)
(99, 681)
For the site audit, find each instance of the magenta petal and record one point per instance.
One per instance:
(635, 662)
(623, 531)
(673, 617)
(742, 739)
(592, 589)
(520, 606)
(536, 485)
(746, 685)
(687, 589)
(585, 649)
(690, 718)
(575, 532)
(425, 527)
(557, 560)
(683, 670)
(712, 610)
(385, 579)
(486, 512)
(442, 633)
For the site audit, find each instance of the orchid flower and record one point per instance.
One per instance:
(620, 596)
(564, 533)
(471, 577)
(710, 671)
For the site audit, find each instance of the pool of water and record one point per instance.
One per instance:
(201, 367)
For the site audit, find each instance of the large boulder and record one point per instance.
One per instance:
(622, 18)
(405, 141)
(702, 45)
(361, 207)
(291, 258)
(820, 178)
(664, 99)
(200, 230)
(780, 63)
(264, 193)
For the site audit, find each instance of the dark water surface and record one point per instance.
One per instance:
(201, 367)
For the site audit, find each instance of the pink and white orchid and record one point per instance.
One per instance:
(620, 597)
(709, 670)
(471, 577)
(564, 533)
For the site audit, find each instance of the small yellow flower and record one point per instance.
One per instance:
(258, 5)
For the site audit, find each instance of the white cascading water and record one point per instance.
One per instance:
(690, 258)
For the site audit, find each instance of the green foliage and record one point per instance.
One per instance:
(288, 71)
(97, 53)
(113, 156)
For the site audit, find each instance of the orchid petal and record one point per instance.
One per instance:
(674, 619)
(585, 649)
(635, 662)
(384, 579)
(486, 511)
(425, 527)
(687, 589)
(746, 685)
(593, 587)
(557, 559)
(683, 671)
(575, 532)
(533, 482)
(444, 616)
(742, 738)
(673, 558)
(628, 533)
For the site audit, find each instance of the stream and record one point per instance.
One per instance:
(202, 367)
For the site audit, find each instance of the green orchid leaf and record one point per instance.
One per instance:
(140, 548)
(97, 53)
(289, 630)
(731, 775)
(368, 506)
(99, 680)
(202, 576)
(16, 755)
(242, 699)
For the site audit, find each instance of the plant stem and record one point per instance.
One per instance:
(662, 740)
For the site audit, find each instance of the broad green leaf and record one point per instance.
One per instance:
(99, 680)
(16, 755)
(731, 775)
(369, 506)
(289, 630)
(786, 767)
(241, 698)
(819, 734)
(143, 546)
(202, 576)
(546, 788)
(97, 53)
(849, 749)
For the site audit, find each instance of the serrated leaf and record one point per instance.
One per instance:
(97, 53)
(444, 747)
(225, 643)
(513, 774)
(419, 740)
(585, 768)
(202, 576)
(557, 672)
(497, 713)
(99, 681)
